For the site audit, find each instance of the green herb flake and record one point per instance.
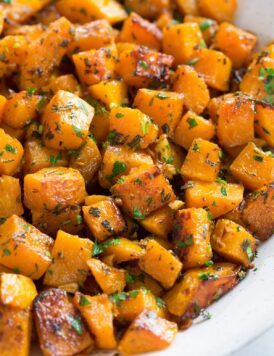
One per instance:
(188, 241)
(258, 158)
(78, 131)
(160, 303)
(119, 115)
(247, 248)
(6, 252)
(144, 65)
(98, 248)
(117, 298)
(137, 214)
(209, 263)
(191, 123)
(193, 61)
(223, 191)
(195, 147)
(10, 149)
(162, 96)
(205, 25)
(76, 324)
(206, 276)
(79, 220)
(83, 301)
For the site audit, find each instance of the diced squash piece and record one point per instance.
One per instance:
(160, 264)
(66, 82)
(98, 313)
(181, 40)
(30, 32)
(66, 121)
(15, 328)
(207, 26)
(86, 160)
(253, 167)
(111, 93)
(147, 332)
(202, 161)
(193, 87)
(52, 187)
(91, 35)
(236, 43)
(129, 305)
(40, 61)
(143, 191)
(142, 67)
(21, 242)
(21, 109)
(110, 279)
(37, 157)
(193, 126)
(140, 31)
(100, 123)
(188, 6)
(124, 250)
(3, 101)
(104, 219)
(136, 279)
(233, 242)
(20, 11)
(119, 160)
(235, 125)
(19, 134)
(68, 219)
(16, 291)
(149, 10)
(264, 122)
(159, 222)
(258, 80)
(59, 325)
(191, 236)
(95, 65)
(213, 66)
(69, 265)
(165, 107)
(85, 10)
(131, 127)
(218, 198)
(258, 212)
(199, 288)
(91, 199)
(10, 197)
(11, 153)
(219, 10)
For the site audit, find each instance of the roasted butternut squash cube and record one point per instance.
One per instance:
(21, 242)
(165, 107)
(66, 121)
(150, 11)
(235, 125)
(140, 31)
(30, 32)
(124, 250)
(202, 161)
(16, 291)
(86, 160)
(160, 264)
(193, 87)
(136, 279)
(141, 67)
(11, 153)
(159, 222)
(68, 219)
(53, 310)
(191, 127)
(98, 313)
(40, 61)
(234, 42)
(85, 10)
(91, 199)
(191, 236)
(19, 134)
(54, 187)
(21, 109)
(66, 82)
(95, 65)
(69, 265)
(257, 80)
(219, 10)
(111, 93)
(147, 332)
(15, 326)
(100, 123)
(94, 34)
(188, 6)
(119, 160)
(181, 40)
(233, 242)
(19, 12)
(131, 127)
(37, 157)
(3, 102)
(264, 122)
(258, 212)
(10, 197)
(129, 305)
(143, 191)
(207, 26)
(104, 219)
(253, 167)
(213, 66)
(199, 288)
(218, 197)
(110, 279)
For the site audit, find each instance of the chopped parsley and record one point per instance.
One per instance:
(247, 248)
(78, 131)
(76, 324)
(223, 191)
(83, 301)
(188, 241)
(137, 214)
(99, 248)
(191, 123)
(162, 96)
(193, 61)
(10, 149)
(206, 276)
(258, 158)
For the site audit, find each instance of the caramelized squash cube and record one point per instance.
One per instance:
(11, 153)
(159, 222)
(219, 10)
(10, 197)
(264, 122)
(124, 250)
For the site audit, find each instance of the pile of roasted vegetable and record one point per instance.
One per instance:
(140, 137)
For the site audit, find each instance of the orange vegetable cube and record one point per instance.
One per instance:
(264, 122)
(19, 12)
(11, 153)
(3, 101)
(253, 167)
(150, 11)
(123, 250)
(202, 161)
(10, 197)
(165, 107)
(159, 222)
(66, 82)
(192, 86)
(207, 26)
(188, 6)
(136, 279)
(100, 123)
(219, 10)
